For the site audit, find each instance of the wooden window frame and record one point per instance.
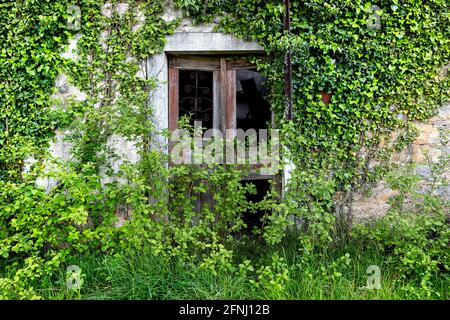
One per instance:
(224, 87)
(224, 91)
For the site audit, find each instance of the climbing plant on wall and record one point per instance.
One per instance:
(39, 229)
(380, 76)
(31, 37)
(379, 64)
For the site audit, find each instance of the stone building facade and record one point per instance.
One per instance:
(202, 40)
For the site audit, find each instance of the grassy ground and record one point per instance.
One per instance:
(143, 276)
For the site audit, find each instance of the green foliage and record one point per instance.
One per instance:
(272, 279)
(379, 79)
(111, 70)
(139, 274)
(40, 228)
(382, 68)
(32, 35)
(415, 234)
(176, 225)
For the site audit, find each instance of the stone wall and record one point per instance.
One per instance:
(202, 39)
(187, 38)
(431, 145)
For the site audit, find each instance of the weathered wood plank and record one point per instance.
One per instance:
(173, 98)
(194, 63)
(242, 64)
(230, 89)
(223, 93)
(217, 88)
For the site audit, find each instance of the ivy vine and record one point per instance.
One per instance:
(381, 77)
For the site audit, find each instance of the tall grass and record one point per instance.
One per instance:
(138, 274)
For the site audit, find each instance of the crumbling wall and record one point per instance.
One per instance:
(202, 39)
(431, 145)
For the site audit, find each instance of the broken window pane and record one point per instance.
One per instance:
(252, 110)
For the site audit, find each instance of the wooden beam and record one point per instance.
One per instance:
(173, 98)
(208, 63)
(242, 64)
(217, 119)
(230, 114)
(194, 63)
(223, 94)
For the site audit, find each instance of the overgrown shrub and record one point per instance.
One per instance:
(39, 228)
(415, 233)
(380, 80)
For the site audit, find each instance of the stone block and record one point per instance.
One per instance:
(428, 134)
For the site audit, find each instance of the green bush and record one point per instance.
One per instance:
(376, 77)
(40, 228)
(414, 234)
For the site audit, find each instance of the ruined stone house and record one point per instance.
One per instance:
(210, 69)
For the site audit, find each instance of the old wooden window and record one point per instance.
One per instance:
(214, 90)
(223, 93)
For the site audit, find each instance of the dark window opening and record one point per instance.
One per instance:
(196, 96)
(254, 219)
(223, 93)
(252, 110)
